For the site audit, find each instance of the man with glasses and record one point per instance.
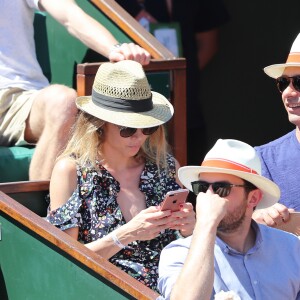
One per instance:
(229, 254)
(280, 158)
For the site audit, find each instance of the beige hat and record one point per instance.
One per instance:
(236, 158)
(121, 95)
(293, 60)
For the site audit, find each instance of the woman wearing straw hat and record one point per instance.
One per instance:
(107, 185)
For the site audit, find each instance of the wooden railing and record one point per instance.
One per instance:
(12, 212)
(133, 29)
(24, 186)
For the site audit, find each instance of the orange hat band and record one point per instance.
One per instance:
(293, 57)
(227, 164)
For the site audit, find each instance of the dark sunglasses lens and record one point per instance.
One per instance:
(296, 83)
(126, 132)
(199, 187)
(222, 189)
(150, 130)
(282, 83)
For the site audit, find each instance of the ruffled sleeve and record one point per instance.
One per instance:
(68, 215)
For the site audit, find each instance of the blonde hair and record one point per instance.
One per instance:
(87, 137)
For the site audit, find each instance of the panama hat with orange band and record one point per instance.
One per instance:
(293, 60)
(237, 158)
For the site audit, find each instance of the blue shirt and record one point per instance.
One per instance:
(269, 270)
(280, 161)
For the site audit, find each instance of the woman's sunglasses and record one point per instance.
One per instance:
(126, 132)
(223, 189)
(283, 82)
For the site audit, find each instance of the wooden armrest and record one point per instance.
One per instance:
(24, 186)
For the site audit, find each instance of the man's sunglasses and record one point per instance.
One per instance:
(283, 82)
(223, 189)
(126, 132)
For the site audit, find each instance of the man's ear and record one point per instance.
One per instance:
(254, 197)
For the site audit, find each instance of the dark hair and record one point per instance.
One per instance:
(249, 186)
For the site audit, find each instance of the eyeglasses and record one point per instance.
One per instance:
(223, 189)
(126, 132)
(284, 81)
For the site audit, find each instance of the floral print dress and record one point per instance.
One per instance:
(94, 209)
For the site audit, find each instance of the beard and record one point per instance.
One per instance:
(233, 220)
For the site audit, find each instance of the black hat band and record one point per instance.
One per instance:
(122, 104)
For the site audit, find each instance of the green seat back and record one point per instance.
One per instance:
(14, 163)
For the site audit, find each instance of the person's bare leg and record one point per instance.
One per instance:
(52, 115)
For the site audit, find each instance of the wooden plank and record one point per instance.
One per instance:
(68, 245)
(154, 65)
(24, 186)
(179, 129)
(133, 28)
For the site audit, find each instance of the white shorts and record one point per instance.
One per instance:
(15, 106)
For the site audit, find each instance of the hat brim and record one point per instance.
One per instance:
(270, 190)
(277, 70)
(161, 113)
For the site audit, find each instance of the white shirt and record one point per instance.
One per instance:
(18, 63)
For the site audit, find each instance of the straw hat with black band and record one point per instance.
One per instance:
(236, 158)
(293, 60)
(121, 95)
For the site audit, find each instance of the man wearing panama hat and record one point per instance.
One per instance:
(280, 158)
(229, 253)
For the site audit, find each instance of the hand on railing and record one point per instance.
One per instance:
(129, 51)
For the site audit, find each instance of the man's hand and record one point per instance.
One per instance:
(273, 215)
(210, 208)
(129, 51)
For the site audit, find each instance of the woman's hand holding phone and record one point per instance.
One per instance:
(183, 213)
(174, 199)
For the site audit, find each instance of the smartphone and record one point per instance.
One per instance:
(173, 199)
(292, 225)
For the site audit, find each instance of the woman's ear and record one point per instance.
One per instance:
(254, 197)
